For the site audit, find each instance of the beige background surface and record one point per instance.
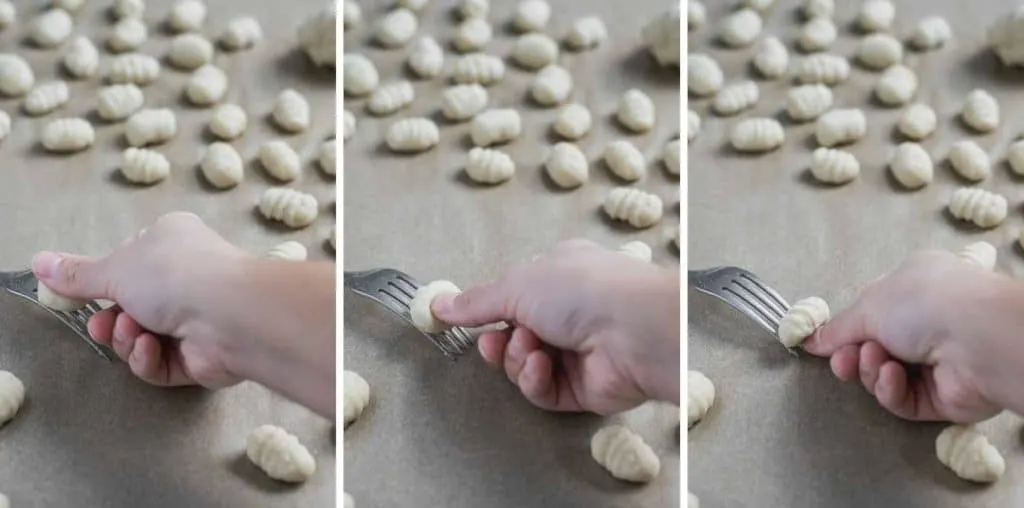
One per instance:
(458, 434)
(794, 435)
(90, 434)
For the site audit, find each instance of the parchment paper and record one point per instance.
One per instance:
(459, 434)
(90, 434)
(784, 432)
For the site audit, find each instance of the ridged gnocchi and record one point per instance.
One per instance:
(807, 102)
(982, 254)
(586, 33)
(293, 208)
(412, 135)
(150, 126)
(489, 166)
(703, 75)
(68, 135)
(46, 97)
(478, 68)
(740, 28)
(637, 250)
(637, 208)
(143, 166)
(357, 396)
(897, 86)
(128, 8)
(624, 454)
(51, 300)
(567, 166)
(735, 98)
(552, 86)
(801, 320)
(187, 16)
(824, 68)
(968, 453)
(978, 206)
(396, 28)
(318, 36)
(82, 59)
(672, 155)
(462, 102)
(495, 126)
(840, 127)
(754, 135)
(127, 35)
(221, 165)
(911, 166)
(359, 76)
(279, 454)
(876, 15)
(288, 251)
(830, 165)
(51, 28)
(661, 36)
(291, 111)
(817, 34)
(472, 35)
(327, 155)
(625, 160)
(190, 51)
(534, 50)
(426, 58)
(206, 86)
(422, 316)
(930, 33)
(879, 51)
(240, 33)
(531, 15)
(117, 102)
(1015, 157)
(133, 68)
(389, 98)
(16, 77)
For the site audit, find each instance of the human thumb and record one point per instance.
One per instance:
(477, 306)
(849, 327)
(71, 275)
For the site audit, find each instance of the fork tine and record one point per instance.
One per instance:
(774, 297)
(743, 304)
(759, 299)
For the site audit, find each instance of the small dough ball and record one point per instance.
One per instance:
(280, 454)
(357, 396)
(419, 308)
(969, 454)
(700, 396)
(801, 320)
(49, 299)
(12, 395)
(228, 121)
(625, 454)
(982, 254)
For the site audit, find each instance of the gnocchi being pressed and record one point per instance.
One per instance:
(280, 161)
(359, 76)
(288, 251)
(127, 35)
(824, 68)
(876, 15)
(635, 111)
(551, 86)
(68, 135)
(930, 33)
(970, 161)
(700, 396)
(46, 98)
(357, 395)
(830, 165)
(143, 166)
(808, 102)
(801, 320)
(207, 86)
(291, 111)
(472, 35)
(279, 454)
(661, 36)
(704, 75)
(221, 165)
(573, 121)
(757, 135)
(462, 102)
(478, 68)
(918, 122)
(735, 98)
(12, 395)
(624, 454)
(495, 126)
(969, 454)
(531, 15)
(489, 166)
(625, 160)
(51, 300)
(422, 316)
(534, 50)
(981, 111)
(240, 33)
(879, 51)
(389, 98)
(51, 28)
(150, 126)
(412, 135)
(818, 34)
(295, 209)
(840, 127)
(82, 59)
(586, 33)
(133, 68)
(978, 206)
(229, 121)
(771, 58)
(911, 166)
(426, 58)
(982, 254)
(897, 86)
(567, 166)
(190, 51)
(637, 208)
(16, 77)
(187, 16)
(318, 36)
(396, 28)
(740, 28)
(637, 250)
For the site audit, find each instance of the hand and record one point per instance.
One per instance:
(153, 278)
(920, 339)
(592, 329)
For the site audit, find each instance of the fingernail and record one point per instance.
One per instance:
(45, 264)
(443, 303)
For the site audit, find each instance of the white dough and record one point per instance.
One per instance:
(982, 208)
(295, 209)
(879, 51)
(625, 160)
(228, 121)
(801, 320)
(412, 135)
(692, 125)
(150, 126)
(327, 155)
(352, 14)
(531, 15)
(288, 251)
(357, 395)
(1015, 157)
(360, 75)
(700, 396)
(8, 14)
(51, 300)
(51, 28)
(426, 58)
(489, 166)
(68, 135)
(818, 8)
(552, 86)
(817, 34)
(221, 165)
(696, 15)
(824, 68)
(16, 77)
(127, 35)
(422, 316)
(637, 250)
(472, 35)
(12, 395)
(970, 161)
(5, 125)
(808, 102)
(918, 122)
(876, 15)
(757, 135)
(1005, 37)
(672, 155)
(473, 8)
(280, 160)
(279, 454)
(735, 98)
(68, 5)
(117, 102)
(318, 34)
(834, 166)
(982, 254)
(740, 28)
(190, 51)
(46, 97)
(704, 75)
(462, 102)
(534, 50)
(969, 454)
(128, 9)
(573, 121)
(637, 208)
(911, 166)
(931, 33)
(478, 68)
(82, 59)
(495, 126)
(187, 16)
(396, 28)
(635, 111)
(897, 86)
(661, 36)
(586, 33)
(414, 5)
(567, 166)
(840, 127)
(349, 125)
(291, 111)
(207, 86)
(389, 98)
(771, 58)
(624, 454)
(133, 68)
(758, 5)
(981, 111)
(242, 32)
(144, 166)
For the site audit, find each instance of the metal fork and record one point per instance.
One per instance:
(744, 292)
(394, 290)
(25, 285)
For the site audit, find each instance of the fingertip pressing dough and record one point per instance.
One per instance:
(633, 206)
(143, 166)
(700, 396)
(771, 58)
(981, 111)
(221, 165)
(830, 165)
(288, 251)
(968, 453)
(489, 166)
(801, 320)
(280, 160)
(735, 98)
(982, 254)
(293, 208)
(740, 28)
(918, 122)
(229, 121)
(978, 206)
(637, 250)
(291, 111)
(807, 102)
(573, 121)
(567, 166)
(704, 76)
(635, 111)
(911, 166)
(422, 316)
(67, 135)
(412, 135)
(12, 395)
(755, 135)
(840, 127)
(625, 160)
(357, 396)
(970, 161)
(82, 59)
(47, 298)
(624, 454)
(279, 454)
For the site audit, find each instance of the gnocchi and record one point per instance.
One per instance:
(897, 86)
(122, 9)
(478, 68)
(700, 396)
(801, 320)
(143, 166)
(133, 68)
(426, 58)
(190, 51)
(757, 135)
(672, 156)
(918, 122)
(624, 454)
(187, 16)
(829, 165)
(357, 396)
(16, 77)
(318, 35)
(221, 165)
(414, 5)
(911, 166)
(703, 75)
(472, 35)
(808, 102)
(495, 126)
(12, 396)
(150, 126)
(68, 5)
(692, 124)
(840, 127)
(328, 156)
(243, 32)
(488, 166)
(473, 8)
(349, 125)
(534, 50)
(696, 15)
(970, 161)
(1003, 35)
(931, 33)
(586, 33)
(462, 102)
(879, 51)
(1015, 157)
(51, 28)
(552, 86)
(291, 111)
(396, 28)
(51, 300)
(735, 98)
(412, 135)
(127, 35)
(661, 36)
(573, 121)
(969, 454)
(740, 28)
(635, 111)
(420, 313)
(818, 34)
(293, 208)
(359, 76)
(5, 125)
(982, 254)
(531, 15)
(279, 454)
(771, 58)
(567, 166)
(207, 86)
(228, 121)
(46, 98)
(82, 59)
(824, 68)
(637, 250)
(625, 160)
(68, 135)
(389, 98)
(280, 160)
(8, 14)
(982, 208)
(876, 15)
(637, 208)
(981, 111)
(288, 251)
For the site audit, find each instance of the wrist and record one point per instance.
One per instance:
(654, 359)
(997, 359)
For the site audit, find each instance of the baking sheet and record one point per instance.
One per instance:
(90, 434)
(795, 435)
(459, 434)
